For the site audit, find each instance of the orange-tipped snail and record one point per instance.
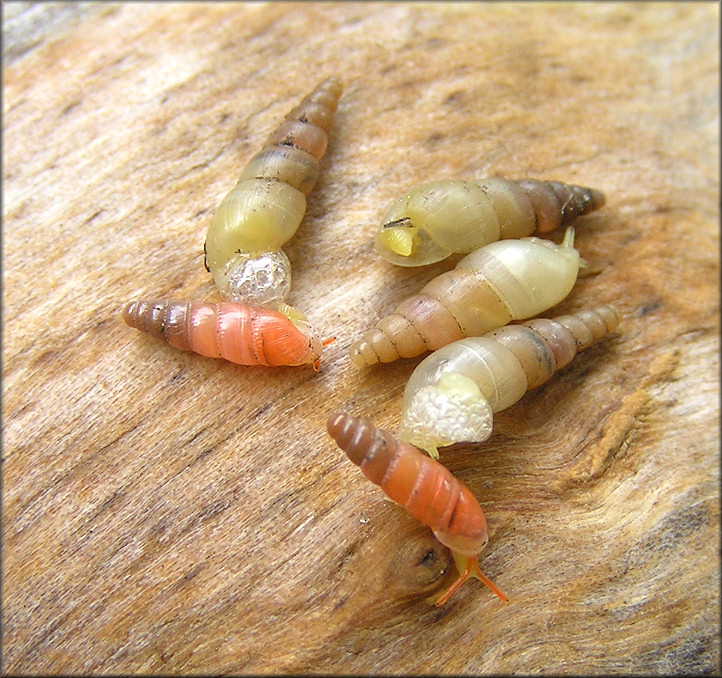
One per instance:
(240, 334)
(425, 488)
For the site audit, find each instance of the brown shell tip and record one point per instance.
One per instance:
(128, 311)
(598, 198)
(335, 423)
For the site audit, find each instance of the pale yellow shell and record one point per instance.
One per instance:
(258, 215)
(453, 393)
(503, 281)
(437, 219)
(266, 207)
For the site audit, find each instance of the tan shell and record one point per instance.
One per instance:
(266, 206)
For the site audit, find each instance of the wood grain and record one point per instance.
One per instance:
(165, 513)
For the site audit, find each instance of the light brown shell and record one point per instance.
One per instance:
(452, 394)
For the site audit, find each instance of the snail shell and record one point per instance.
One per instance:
(453, 393)
(264, 209)
(503, 281)
(425, 488)
(441, 218)
(240, 334)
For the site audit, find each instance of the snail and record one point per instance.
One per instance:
(425, 488)
(503, 281)
(262, 212)
(441, 218)
(452, 394)
(240, 334)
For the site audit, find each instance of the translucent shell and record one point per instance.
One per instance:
(267, 205)
(262, 280)
(425, 488)
(441, 218)
(258, 215)
(453, 393)
(503, 281)
(237, 333)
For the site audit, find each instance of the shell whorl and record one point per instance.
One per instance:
(267, 205)
(500, 282)
(362, 442)
(452, 394)
(292, 151)
(161, 318)
(543, 346)
(441, 218)
(556, 204)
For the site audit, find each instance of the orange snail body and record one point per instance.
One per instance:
(240, 334)
(425, 488)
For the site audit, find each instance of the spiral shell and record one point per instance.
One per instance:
(264, 209)
(425, 488)
(503, 281)
(240, 334)
(441, 218)
(453, 393)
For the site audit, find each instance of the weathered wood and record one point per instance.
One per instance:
(165, 513)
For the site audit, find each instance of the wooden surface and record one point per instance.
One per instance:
(166, 513)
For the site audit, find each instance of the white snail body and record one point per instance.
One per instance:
(264, 209)
(453, 393)
(435, 220)
(503, 281)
